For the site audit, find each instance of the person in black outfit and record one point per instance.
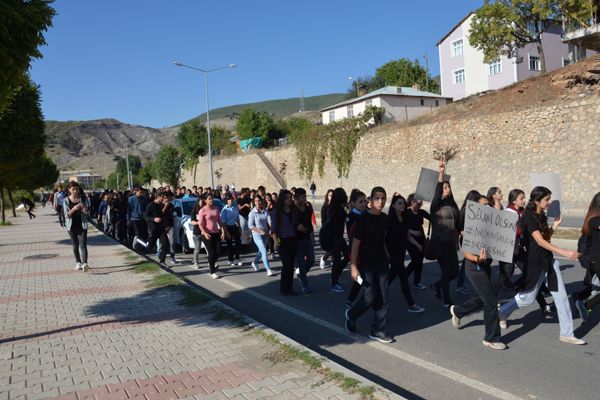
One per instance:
(28, 206)
(284, 224)
(591, 232)
(324, 208)
(358, 206)
(479, 272)
(416, 239)
(336, 214)
(396, 242)
(370, 263)
(445, 233)
(154, 218)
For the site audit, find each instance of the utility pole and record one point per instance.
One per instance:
(426, 71)
(127, 161)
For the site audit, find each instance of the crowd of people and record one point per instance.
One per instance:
(357, 231)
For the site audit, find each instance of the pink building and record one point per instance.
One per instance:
(463, 72)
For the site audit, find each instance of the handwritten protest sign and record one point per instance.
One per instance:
(552, 182)
(489, 228)
(428, 178)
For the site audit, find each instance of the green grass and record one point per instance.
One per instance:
(6, 223)
(146, 266)
(192, 297)
(165, 281)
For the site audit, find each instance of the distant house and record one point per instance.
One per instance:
(585, 36)
(463, 72)
(400, 104)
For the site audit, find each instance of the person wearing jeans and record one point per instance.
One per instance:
(230, 216)
(76, 211)
(258, 223)
(197, 234)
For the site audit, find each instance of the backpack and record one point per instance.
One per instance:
(584, 244)
(326, 235)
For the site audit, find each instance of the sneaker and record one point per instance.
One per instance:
(503, 323)
(462, 290)
(78, 266)
(548, 310)
(571, 340)
(420, 286)
(306, 290)
(380, 337)
(436, 291)
(254, 266)
(85, 267)
(297, 272)
(269, 273)
(337, 288)
(232, 263)
(323, 263)
(239, 263)
(455, 319)
(196, 266)
(172, 260)
(350, 324)
(584, 312)
(140, 241)
(415, 309)
(495, 345)
(214, 275)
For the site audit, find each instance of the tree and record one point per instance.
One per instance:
(406, 73)
(166, 165)
(135, 164)
(193, 143)
(22, 127)
(221, 140)
(501, 27)
(252, 124)
(22, 25)
(146, 173)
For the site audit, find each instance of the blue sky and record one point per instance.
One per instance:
(108, 58)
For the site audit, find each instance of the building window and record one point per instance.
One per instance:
(422, 102)
(331, 115)
(368, 103)
(457, 48)
(495, 68)
(534, 63)
(350, 111)
(437, 103)
(459, 76)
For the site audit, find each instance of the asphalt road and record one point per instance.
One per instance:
(429, 359)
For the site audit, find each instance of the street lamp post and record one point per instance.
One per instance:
(127, 162)
(206, 71)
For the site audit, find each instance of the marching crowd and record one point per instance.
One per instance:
(355, 230)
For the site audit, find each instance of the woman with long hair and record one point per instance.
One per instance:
(336, 214)
(541, 266)
(284, 221)
(472, 195)
(445, 232)
(396, 241)
(196, 232)
(258, 222)
(269, 204)
(495, 196)
(324, 209)
(76, 208)
(213, 231)
(591, 232)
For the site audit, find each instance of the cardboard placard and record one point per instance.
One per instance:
(428, 179)
(492, 229)
(552, 182)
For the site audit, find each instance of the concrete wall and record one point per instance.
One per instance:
(399, 108)
(496, 150)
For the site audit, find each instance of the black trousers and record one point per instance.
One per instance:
(397, 269)
(287, 252)
(448, 262)
(159, 234)
(79, 241)
(416, 262)
(485, 296)
(339, 253)
(593, 269)
(373, 293)
(213, 249)
(506, 272)
(233, 242)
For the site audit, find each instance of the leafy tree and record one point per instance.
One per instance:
(22, 127)
(404, 72)
(501, 27)
(193, 142)
(22, 25)
(252, 124)
(221, 140)
(373, 112)
(146, 173)
(135, 164)
(166, 165)
(289, 126)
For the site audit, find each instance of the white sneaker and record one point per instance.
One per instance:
(269, 273)
(140, 241)
(173, 261)
(322, 263)
(297, 272)
(232, 263)
(239, 263)
(85, 267)
(196, 266)
(214, 275)
(254, 266)
(572, 340)
(78, 266)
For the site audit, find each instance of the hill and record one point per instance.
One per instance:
(82, 145)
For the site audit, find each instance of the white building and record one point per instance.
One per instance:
(400, 104)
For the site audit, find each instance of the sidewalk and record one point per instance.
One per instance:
(127, 330)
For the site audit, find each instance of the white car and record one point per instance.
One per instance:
(184, 230)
